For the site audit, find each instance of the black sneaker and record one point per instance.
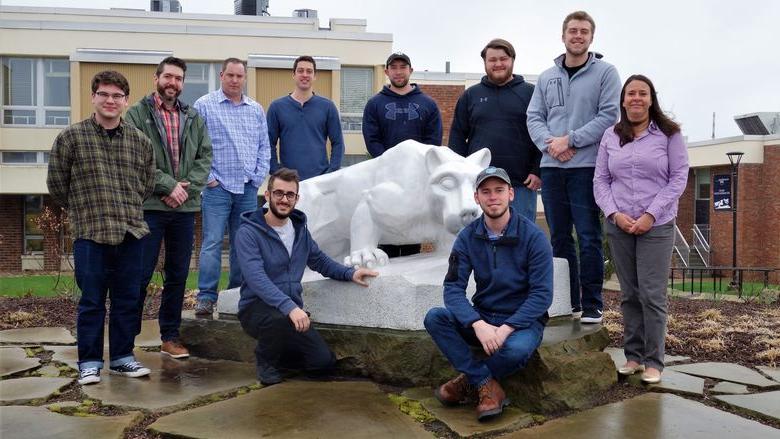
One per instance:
(591, 316)
(204, 307)
(132, 369)
(268, 375)
(90, 375)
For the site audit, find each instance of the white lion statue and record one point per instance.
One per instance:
(412, 193)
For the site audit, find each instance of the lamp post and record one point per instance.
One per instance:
(734, 159)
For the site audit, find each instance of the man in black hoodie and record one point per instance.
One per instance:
(400, 111)
(492, 114)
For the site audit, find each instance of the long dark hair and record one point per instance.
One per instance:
(624, 128)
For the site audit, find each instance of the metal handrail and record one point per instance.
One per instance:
(701, 245)
(681, 246)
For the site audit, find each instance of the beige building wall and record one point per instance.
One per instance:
(132, 42)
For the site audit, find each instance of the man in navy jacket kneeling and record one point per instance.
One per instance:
(274, 247)
(513, 268)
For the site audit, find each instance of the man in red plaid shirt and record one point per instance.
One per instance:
(182, 151)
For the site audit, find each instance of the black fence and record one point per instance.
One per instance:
(733, 277)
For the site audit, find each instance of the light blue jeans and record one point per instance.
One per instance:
(221, 209)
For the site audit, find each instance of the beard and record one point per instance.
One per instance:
(500, 77)
(162, 92)
(495, 215)
(399, 84)
(275, 211)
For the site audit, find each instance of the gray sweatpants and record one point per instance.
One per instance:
(642, 264)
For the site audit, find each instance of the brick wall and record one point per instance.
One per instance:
(758, 216)
(446, 96)
(11, 231)
(685, 212)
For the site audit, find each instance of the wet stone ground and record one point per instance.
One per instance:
(203, 398)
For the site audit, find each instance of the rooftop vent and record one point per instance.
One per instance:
(759, 124)
(305, 13)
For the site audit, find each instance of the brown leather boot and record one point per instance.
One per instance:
(455, 391)
(492, 400)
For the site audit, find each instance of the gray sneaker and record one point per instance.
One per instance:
(204, 307)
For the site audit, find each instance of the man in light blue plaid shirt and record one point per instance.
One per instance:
(242, 154)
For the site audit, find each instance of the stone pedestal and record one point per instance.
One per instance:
(567, 372)
(398, 299)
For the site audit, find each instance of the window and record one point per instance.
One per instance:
(200, 79)
(33, 235)
(24, 157)
(36, 92)
(357, 86)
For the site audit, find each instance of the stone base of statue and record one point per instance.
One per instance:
(398, 299)
(377, 332)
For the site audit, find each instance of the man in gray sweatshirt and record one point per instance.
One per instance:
(573, 103)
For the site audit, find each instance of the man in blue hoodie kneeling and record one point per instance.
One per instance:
(513, 268)
(274, 247)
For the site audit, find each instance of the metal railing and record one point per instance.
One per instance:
(715, 277)
(701, 238)
(681, 246)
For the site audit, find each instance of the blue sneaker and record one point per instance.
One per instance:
(89, 375)
(591, 316)
(132, 369)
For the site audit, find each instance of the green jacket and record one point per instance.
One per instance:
(195, 151)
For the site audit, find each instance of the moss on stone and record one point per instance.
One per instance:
(412, 408)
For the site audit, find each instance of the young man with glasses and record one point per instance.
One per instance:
(182, 150)
(274, 248)
(101, 170)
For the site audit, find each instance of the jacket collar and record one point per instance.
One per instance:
(511, 236)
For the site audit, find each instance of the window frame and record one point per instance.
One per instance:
(32, 236)
(343, 115)
(39, 86)
(41, 158)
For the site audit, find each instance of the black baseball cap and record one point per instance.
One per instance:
(492, 172)
(398, 55)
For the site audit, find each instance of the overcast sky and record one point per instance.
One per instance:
(703, 56)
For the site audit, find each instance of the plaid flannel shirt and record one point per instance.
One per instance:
(239, 140)
(102, 181)
(170, 121)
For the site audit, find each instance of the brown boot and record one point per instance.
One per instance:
(492, 400)
(174, 348)
(455, 391)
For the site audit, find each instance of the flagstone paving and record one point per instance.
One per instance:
(463, 419)
(766, 404)
(674, 382)
(64, 354)
(37, 422)
(15, 360)
(650, 416)
(619, 357)
(172, 383)
(37, 336)
(297, 409)
(726, 372)
(149, 336)
(773, 372)
(729, 388)
(22, 390)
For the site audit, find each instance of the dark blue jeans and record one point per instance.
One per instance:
(455, 342)
(568, 200)
(177, 229)
(113, 270)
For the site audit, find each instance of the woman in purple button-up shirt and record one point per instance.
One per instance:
(641, 171)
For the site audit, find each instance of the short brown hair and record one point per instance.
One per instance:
(284, 174)
(499, 43)
(304, 58)
(171, 61)
(110, 77)
(233, 61)
(579, 15)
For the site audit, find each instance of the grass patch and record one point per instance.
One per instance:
(715, 286)
(49, 285)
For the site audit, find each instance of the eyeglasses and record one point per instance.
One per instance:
(115, 96)
(291, 196)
